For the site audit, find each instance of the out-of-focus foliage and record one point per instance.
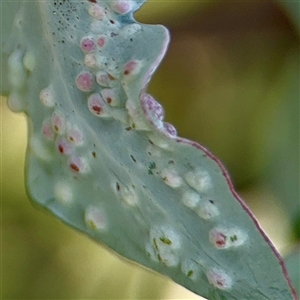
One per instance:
(170, 12)
(292, 9)
(234, 65)
(284, 147)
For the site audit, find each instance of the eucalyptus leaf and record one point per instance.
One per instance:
(292, 262)
(102, 159)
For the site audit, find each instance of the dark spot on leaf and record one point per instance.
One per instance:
(190, 273)
(166, 240)
(97, 109)
(155, 244)
(233, 238)
(74, 167)
(61, 149)
(222, 240)
(110, 77)
(220, 283)
(132, 157)
(152, 166)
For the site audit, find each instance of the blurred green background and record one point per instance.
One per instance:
(230, 81)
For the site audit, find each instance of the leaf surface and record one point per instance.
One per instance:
(101, 158)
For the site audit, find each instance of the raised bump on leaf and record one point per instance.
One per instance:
(111, 97)
(101, 40)
(87, 44)
(96, 219)
(190, 268)
(63, 192)
(132, 68)
(223, 238)
(16, 71)
(59, 122)
(122, 6)
(199, 179)
(190, 199)
(129, 196)
(166, 245)
(169, 130)
(78, 164)
(96, 11)
(15, 102)
(85, 81)
(171, 178)
(97, 106)
(47, 97)
(74, 135)
(153, 110)
(219, 279)
(207, 209)
(47, 129)
(29, 61)
(104, 79)
(90, 60)
(63, 146)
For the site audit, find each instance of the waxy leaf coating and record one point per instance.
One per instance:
(101, 158)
